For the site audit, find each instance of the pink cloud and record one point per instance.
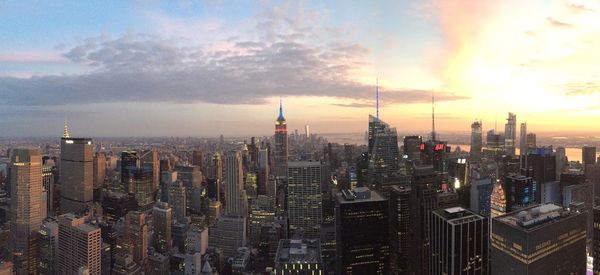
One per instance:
(32, 57)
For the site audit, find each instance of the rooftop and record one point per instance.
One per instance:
(457, 215)
(358, 195)
(299, 251)
(534, 217)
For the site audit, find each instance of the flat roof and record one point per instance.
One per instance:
(299, 251)
(534, 217)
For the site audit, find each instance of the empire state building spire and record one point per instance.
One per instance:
(280, 118)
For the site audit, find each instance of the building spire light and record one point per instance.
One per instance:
(66, 130)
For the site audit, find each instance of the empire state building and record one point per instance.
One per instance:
(280, 156)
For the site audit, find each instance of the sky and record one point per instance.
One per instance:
(204, 68)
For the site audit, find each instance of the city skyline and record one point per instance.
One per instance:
(204, 65)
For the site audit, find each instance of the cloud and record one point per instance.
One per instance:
(581, 88)
(32, 57)
(153, 68)
(557, 23)
(577, 8)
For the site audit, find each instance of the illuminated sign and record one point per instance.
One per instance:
(422, 147)
(439, 147)
(68, 141)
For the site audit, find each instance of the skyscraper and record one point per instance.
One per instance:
(531, 141)
(128, 159)
(596, 240)
(79, 246)
(25, 208)
(588, 157)
(99, 169)
(140, 184)
(304, 199)
(510, 134)
(76, 173)
(423, 200)
(476, 141)
(178, 201)
(399, 225)
(135, 237)
(235, 195)
(362, 232)
(542, 239)
(228, 233)
(561, 161)
(520, 192)
(459, 242)
(150, 158)
(383, 151)
(280, 154)
(412, 150)
(523, 148)
(162, 220)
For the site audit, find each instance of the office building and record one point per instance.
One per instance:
(215, 170)
(580, 192)
(166, 179)
(228, 234)
(191, 177)
(520, 192)
(76, 174)
(135, 237)
(198, 160)
(79, 245)
(362, 232)
(25, 209)
(480, 198)
(541, 239)
(280, 152)
(543, 164)
(49, 174)
(510, 134)
(383, 151)
(588, 158)
(399, 225)
(531, 141)
(117, 204)
(139, 182)
(412, 146)
(523, 148)
(298, 257)
(99, 169)
(197, 240)
(476, 141)
(48, 247)
(596, 241)
(262, 211)
(162, 221)
(235, 195)
(128, 159)
(459, 242)
(423, 200)
(193, 264)
(494, 140)
(149, 158)
(304, 199)
(561, 161)
(178, 201)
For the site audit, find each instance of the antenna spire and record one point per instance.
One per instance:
(377, 96)
(432, 116)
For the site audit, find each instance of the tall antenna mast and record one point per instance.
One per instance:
(432, 116)
(377, 97)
